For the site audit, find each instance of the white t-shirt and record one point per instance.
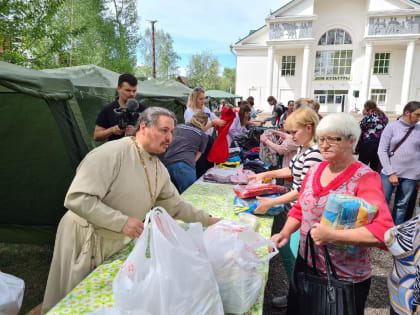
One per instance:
(189, 113)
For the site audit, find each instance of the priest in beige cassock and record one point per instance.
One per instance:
(115, 186)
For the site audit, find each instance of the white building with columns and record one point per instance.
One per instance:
(340, 52)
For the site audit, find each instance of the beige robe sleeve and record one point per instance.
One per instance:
(91, 183)
(178, 208)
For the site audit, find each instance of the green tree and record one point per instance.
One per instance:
(166, 57)
(228, 80)
(26, 33)
(44, 33)
(120, 34)
(202, 71)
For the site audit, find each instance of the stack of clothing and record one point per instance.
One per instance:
(227, 176)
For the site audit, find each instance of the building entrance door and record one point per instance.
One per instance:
(331, 101)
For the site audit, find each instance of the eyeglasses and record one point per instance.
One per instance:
(198, 89)
(330, 140)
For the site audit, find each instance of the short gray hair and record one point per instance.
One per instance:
(151, 115)
(341, 123)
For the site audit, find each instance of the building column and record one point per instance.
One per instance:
(364, 94)
(305, 70)
(408, 67)
(270, 64)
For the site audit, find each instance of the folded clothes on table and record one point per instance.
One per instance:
(218, 175)
(249, 205)
(241, 177)
(235, 158)
(251, 155)
(248, 191)
(227, 175)
(229, 164)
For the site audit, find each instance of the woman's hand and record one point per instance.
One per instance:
(258, 177)
(266, 203)
(219, 122)
(321, 234)
(263, 138)
(279, 240)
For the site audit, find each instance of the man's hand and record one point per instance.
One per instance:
(393, 179)
(133, 228)
(321, 234)
(116, 130)
(279, 240)
(130, 130)
(213, 220)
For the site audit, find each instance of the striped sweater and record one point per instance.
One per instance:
(301, 162)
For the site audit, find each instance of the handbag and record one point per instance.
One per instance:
(319, 295)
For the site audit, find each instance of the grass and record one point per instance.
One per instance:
(30, 263)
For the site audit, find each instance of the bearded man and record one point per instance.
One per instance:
(115, 186)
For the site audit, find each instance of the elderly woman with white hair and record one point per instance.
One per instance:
(340, 174)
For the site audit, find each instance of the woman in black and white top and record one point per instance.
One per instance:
(301, 125)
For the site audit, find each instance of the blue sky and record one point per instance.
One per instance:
(210, 25)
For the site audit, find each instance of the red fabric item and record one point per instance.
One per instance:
(219, 151)
(256, 149)
(243, 191)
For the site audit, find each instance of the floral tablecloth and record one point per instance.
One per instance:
(95, 291)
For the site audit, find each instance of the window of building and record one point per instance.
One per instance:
(333, 62)
(288, 64)
(379, 96)
(381, 65)
(335, 37)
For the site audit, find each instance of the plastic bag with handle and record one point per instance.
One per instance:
(167, 272)
(11, 294)
(231, 247)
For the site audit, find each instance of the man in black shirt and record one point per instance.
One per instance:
(107, 121)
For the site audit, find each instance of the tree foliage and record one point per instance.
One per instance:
(26, 33)
(203, 71)
(45, 34)
(166, 57)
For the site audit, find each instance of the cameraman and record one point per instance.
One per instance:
(107, 121)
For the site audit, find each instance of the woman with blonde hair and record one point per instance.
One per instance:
(301, 125)
(196, 104)
(188, 144)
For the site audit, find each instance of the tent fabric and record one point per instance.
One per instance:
(47, 123)
(221, 94)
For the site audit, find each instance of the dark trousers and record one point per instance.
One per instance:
(368, 155)
(361, 291)
(411, 206)
(202, 165)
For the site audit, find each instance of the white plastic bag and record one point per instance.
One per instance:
(11, 294)
(167, 272)
(231, 246)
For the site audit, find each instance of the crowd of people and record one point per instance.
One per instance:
(152, 162)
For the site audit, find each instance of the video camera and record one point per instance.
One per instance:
(128, 116)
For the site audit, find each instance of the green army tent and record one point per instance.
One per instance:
(221, 94)
(47, 122)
